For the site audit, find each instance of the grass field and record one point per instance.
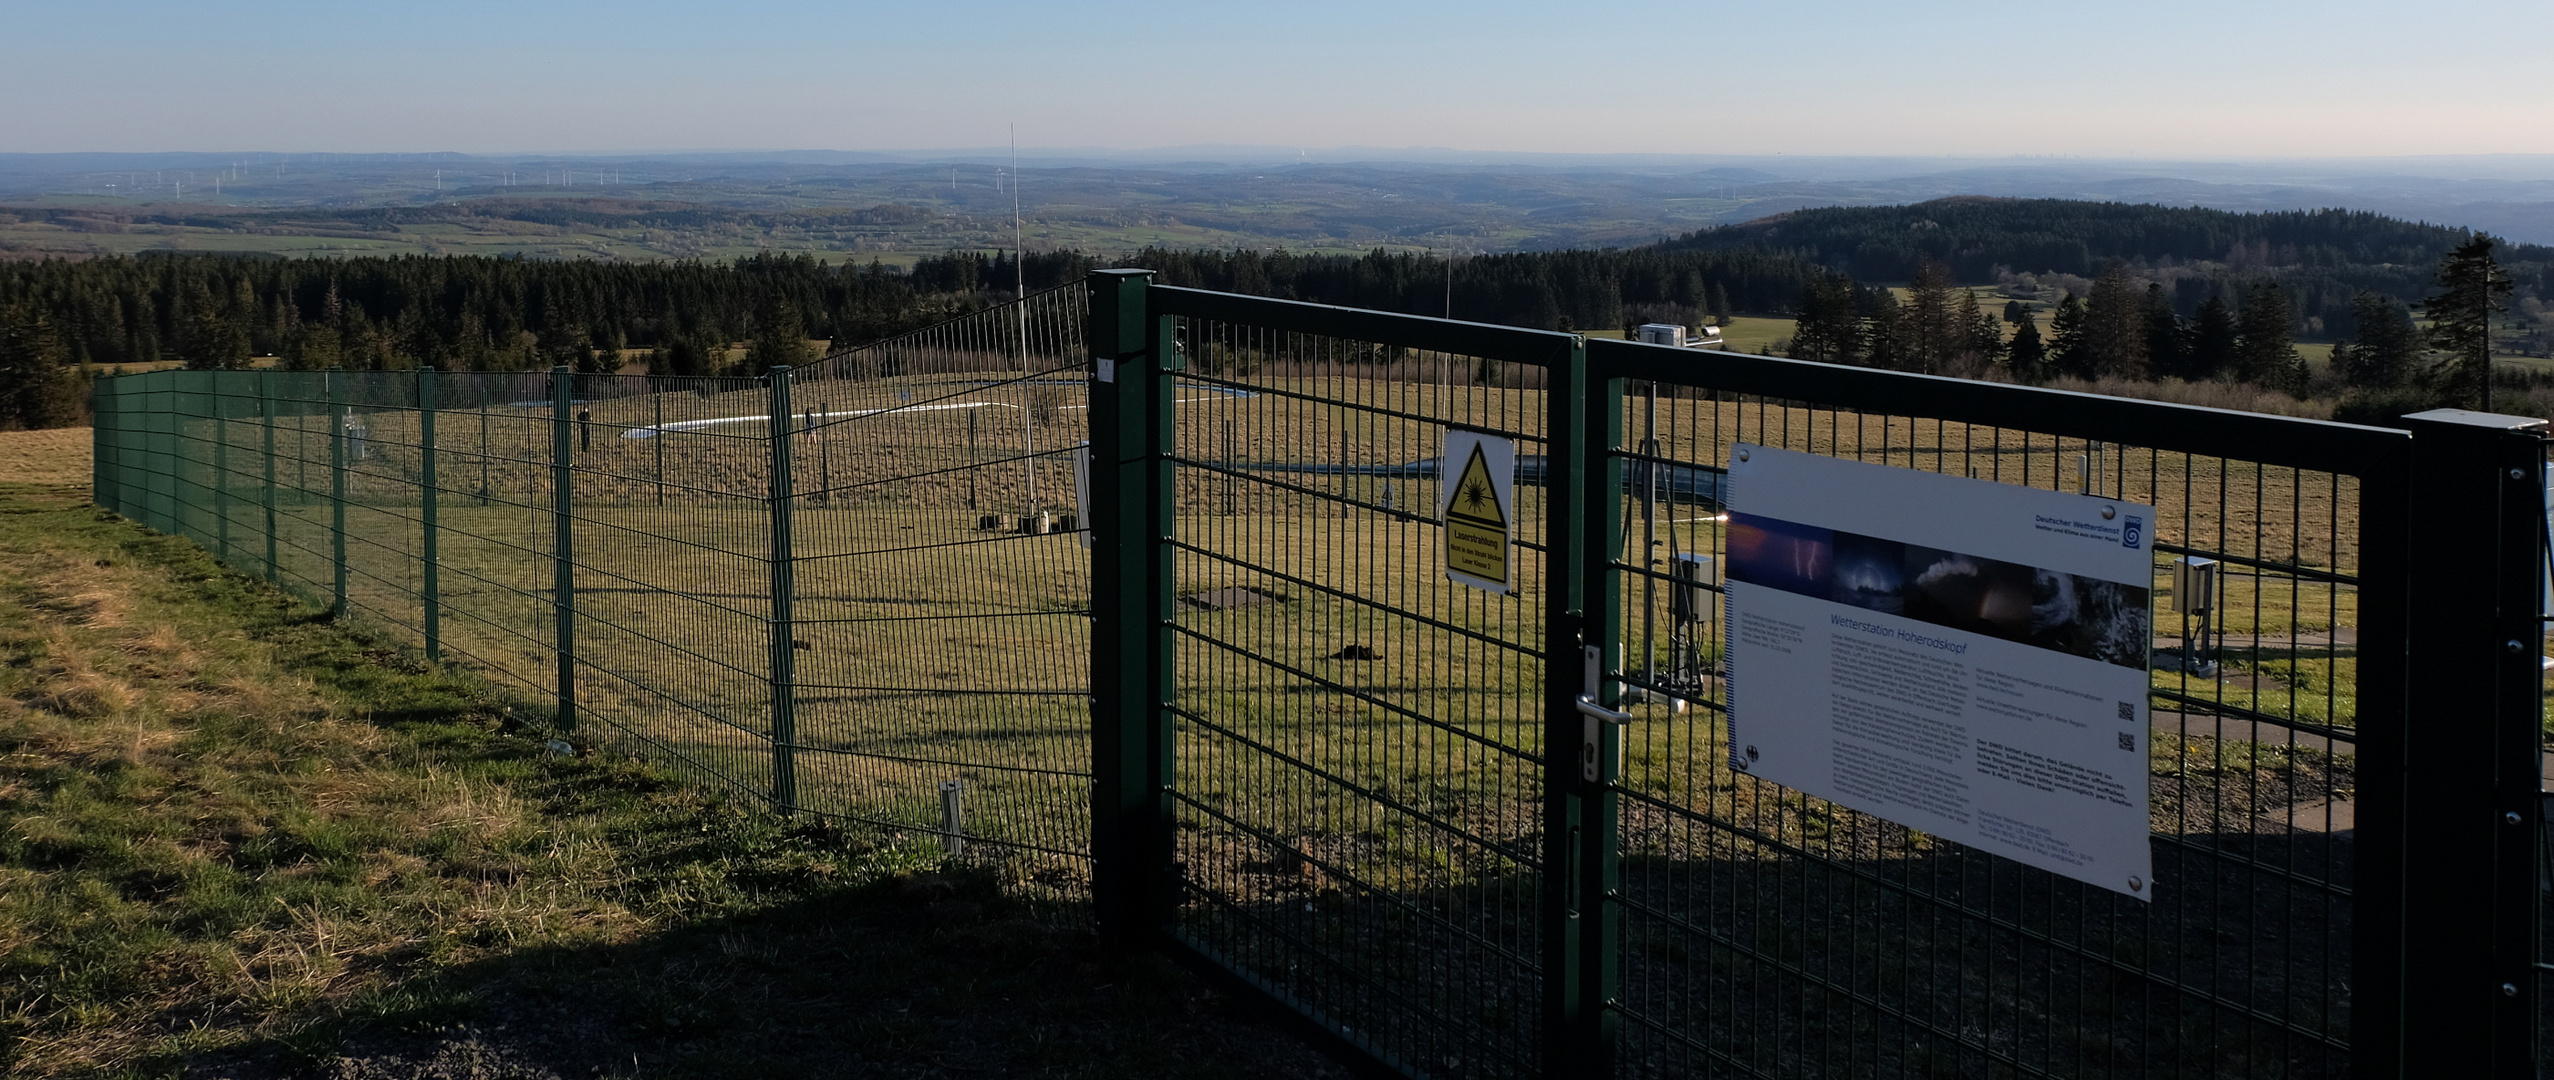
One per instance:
(244, 840)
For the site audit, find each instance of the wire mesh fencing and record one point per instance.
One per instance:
(1768, 933)
(1139, 595)
(1359, 798)
(850, 589)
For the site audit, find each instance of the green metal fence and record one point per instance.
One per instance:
(851, 588)
(1312, 767)
(1357, 790)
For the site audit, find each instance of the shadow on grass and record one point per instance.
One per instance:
(826, 950)
(917, 975)
(489, 909)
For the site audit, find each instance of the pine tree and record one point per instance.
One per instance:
(1933, 337)
(2015, 314)
(1720, 310)
(2472, 288)
(211, 339)
(2388, 352)
(1825, 327)
(2026, 357)
(2113, 340)
(2167, 341)
(37, 388)
(1980, 340)
(779, 338)
(683, 357)
(2265, 351)
(2066, 349)
(1884, 333)
(2212, 339)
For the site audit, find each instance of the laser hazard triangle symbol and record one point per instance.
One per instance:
(1477, 509)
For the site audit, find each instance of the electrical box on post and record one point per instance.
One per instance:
(2195, 585)
(1689, 601)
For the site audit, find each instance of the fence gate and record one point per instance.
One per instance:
(1765, 933)
(1355, 820)
(1336, 778)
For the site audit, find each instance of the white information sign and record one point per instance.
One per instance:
(1476, 505)
(1958, 656)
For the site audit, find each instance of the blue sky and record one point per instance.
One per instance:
(2162, 78)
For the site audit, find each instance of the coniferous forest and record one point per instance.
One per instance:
(2129, 292)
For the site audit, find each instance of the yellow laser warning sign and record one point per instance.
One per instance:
(1477, 504)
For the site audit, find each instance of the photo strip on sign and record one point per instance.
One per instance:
(1959, 656)
(1476, 504)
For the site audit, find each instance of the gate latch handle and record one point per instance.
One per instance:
(1594, 716)
(1590, 709)
(1592, 738)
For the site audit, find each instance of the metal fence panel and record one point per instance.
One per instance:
(611, 550)
(1360, 744)
(1766, 933)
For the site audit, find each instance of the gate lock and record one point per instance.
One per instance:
(1593, 718)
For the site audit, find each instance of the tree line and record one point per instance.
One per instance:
(2324, 259)
(60, 318)
(2122, 329)
(2155, 307)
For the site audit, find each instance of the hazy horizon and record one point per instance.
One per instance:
(2175, 81)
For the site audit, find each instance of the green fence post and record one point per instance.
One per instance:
(562, 538)
(427, 498)
(1596, 478)
(221, 467)
(1581, 939)
(266, 410)
(338, 414)
(2471, 756)
(784, 586)
(1133, 885)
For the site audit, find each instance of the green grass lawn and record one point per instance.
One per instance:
(238, 838)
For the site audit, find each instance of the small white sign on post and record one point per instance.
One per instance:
(1958, 656)
(1476, 505)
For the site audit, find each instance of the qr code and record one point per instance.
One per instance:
(2127, 711)
(2128, 741)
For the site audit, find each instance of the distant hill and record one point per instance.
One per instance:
(2322, 256)
(1977, 236)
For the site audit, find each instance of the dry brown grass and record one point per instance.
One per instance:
(47, 456)
(237, 840)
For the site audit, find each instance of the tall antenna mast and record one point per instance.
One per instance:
(1020, 305)
(1019, 276)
